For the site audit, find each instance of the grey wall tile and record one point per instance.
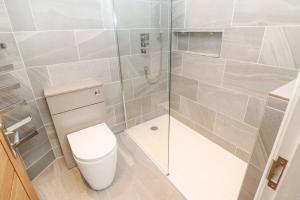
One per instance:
(35, 148)
(138, 17)
(123, 42)
(242, 43)
(243, 155)
(266, 12)
(207, 43)
(96, 44)
(277, 103)
(255, 112)
(205, 69)
(115, 72)
(269, 128)
(178, 13)
(25, 91)
(142, 88)
(10, 55)
(251, 180)
(41, 164)
(133, 66)
(53, 139)
(197, 113)
(215, 139)
(107, 13)
(259, 155)
(44, 110)
(67, 14)
(20, 15)
(222, 100)
(79, 71)
(42, 48)
(255, 79)
(133, 108)
(281, 47)
(175, 102)
(183, 41)
(208, 13)
(182, 119)
(184, 86)
(4, 20)
(112, 93)
(241, 135)
(39, 79)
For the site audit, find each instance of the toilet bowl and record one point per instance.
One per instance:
(95, 152)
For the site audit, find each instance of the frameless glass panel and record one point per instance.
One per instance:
(142, 32)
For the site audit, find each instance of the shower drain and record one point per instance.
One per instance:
(154, 128)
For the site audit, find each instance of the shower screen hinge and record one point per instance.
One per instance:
(276, 171)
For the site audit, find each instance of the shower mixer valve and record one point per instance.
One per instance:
(145, 42)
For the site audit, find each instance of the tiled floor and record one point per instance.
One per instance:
(137, 178)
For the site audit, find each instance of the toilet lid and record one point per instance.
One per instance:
(92, 143)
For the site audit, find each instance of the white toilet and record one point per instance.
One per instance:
(79, 115)
(95, 151)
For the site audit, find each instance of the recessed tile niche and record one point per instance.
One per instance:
(207, 43)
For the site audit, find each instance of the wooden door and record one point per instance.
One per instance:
(14, 181)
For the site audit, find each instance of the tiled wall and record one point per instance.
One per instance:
(273, 116)
(143, 100)
(233, 53)
(56, 42)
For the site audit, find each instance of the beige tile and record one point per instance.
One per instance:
(281, 47)
(222, 100)
(242, 43)
(255, 112)
(235, 132)
(255, 79)
(184, 86)
(205, 69)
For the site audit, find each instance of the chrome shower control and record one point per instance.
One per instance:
(145, 42)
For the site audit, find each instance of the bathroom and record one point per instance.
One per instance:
(192, 99)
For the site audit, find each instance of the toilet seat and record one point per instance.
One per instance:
(93, 143)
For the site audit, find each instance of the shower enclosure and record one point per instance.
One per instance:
(199, 89)
(144, 26)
